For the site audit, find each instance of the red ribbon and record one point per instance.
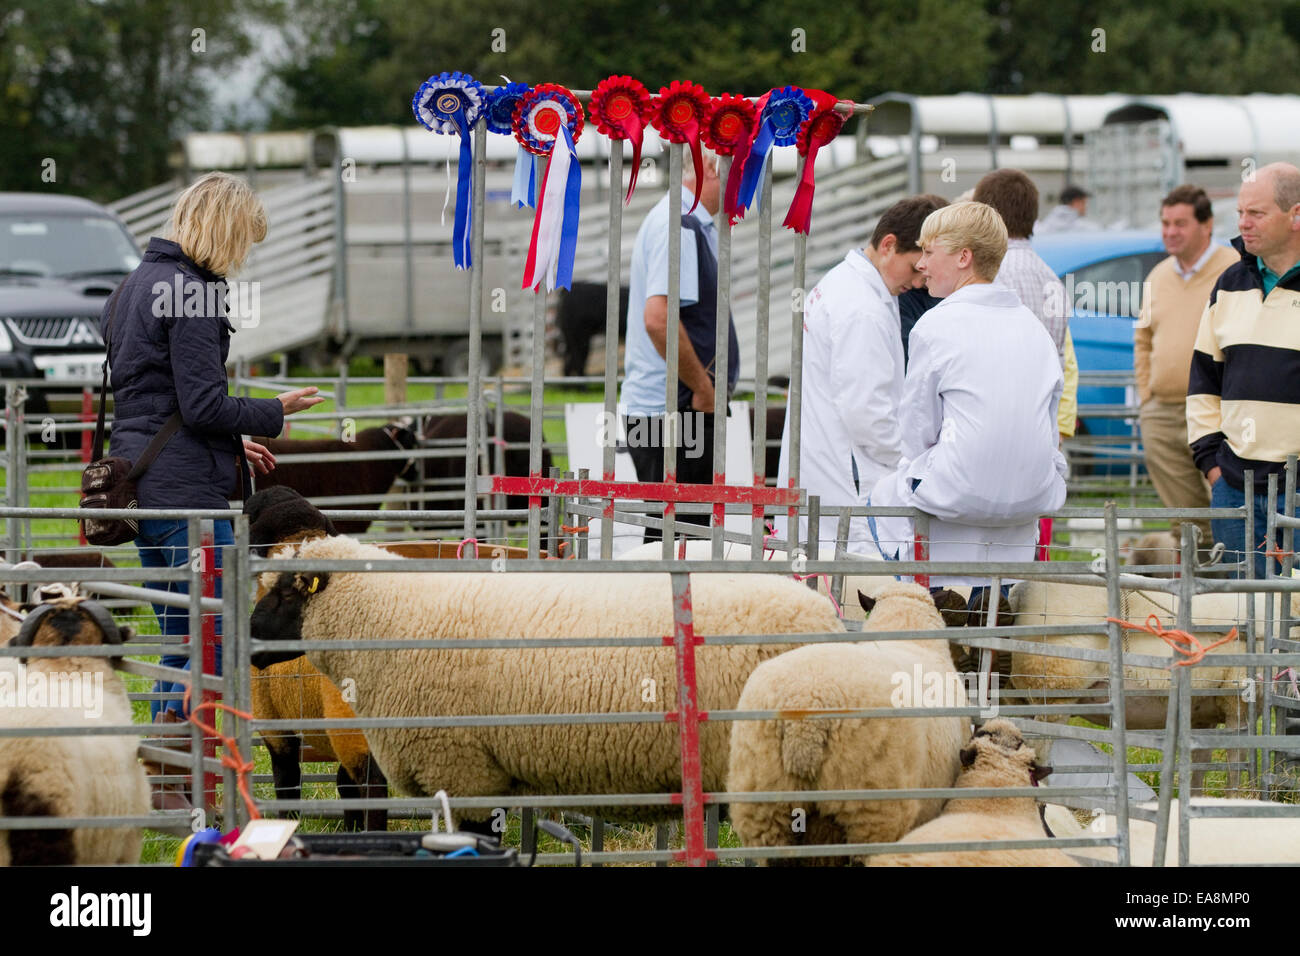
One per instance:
(621, 108)
(731, 201)
(732, 120)
(681, 111)
(822, 126)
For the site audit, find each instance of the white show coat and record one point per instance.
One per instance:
(852, 386)
(979, 432)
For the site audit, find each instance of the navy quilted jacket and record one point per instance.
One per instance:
(168, 341)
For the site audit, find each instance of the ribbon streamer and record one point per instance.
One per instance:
(781, 113)
(451, 103)
(819, 129)
(681, 113)
(547, 116)
(499, 114)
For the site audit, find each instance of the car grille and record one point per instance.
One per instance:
(56, 332)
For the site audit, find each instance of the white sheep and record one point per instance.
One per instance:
(997, 756)
(68, 776)
(1215, 841)
(853, 753)
(526, 760)
(1038, 602)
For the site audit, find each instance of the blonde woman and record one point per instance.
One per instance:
(168, 338)
(979, 407)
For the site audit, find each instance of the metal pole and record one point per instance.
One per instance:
(341, 240)
(1183, 678)
(499, 455)
(15, 439)
(473, 394)
(613, 284)
(671, 358)
(1253, 703)
(722, 357)
(244, 690)
(1118, 720)
(407, 236)
(1271, 632)
(195, 637)
(793, 400)
(688, 722)
(760, 349)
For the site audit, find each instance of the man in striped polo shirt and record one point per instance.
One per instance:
(1243, 397)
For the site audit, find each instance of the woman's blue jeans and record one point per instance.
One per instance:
(164, 544)
(1232, 531)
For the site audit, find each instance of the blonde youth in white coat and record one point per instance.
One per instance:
(978, 413)
(853, 373)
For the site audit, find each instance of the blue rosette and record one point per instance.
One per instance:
(783, 113)
(499, 112)
(451, 103)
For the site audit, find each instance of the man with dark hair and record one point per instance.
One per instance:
(1015, 197)
(853, 370)
(1242, 401)
(1174, 296)
(1069, 214)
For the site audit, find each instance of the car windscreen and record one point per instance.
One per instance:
(1112, 287)
(54, 246)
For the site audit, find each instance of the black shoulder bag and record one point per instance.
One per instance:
(110, 482)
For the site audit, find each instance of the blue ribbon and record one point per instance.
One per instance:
(569, 226)
(754, 164)
(460, 248)
(523, 191)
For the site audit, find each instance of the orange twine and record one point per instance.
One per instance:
(230, 756)
(1180, 641)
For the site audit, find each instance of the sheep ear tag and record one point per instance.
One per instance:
(311, 583)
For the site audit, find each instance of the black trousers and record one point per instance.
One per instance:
(645, 443)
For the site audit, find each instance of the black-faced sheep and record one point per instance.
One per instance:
(853, 753)
(367, 477)
(997, 756)
(527, 760)
(295, 689)
(69, 776)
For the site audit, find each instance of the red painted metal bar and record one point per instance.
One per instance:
(653, 490)
(921, 552)
(210, 574)
(87, 438)
(684, 642)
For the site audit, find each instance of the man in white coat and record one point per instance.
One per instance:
(978, 423)
(853, 373)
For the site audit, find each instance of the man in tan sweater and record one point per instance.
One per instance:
(1176, 293)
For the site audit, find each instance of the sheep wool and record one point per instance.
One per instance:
(557, 758)
(996, 756)
(70, 776)
(850, 754)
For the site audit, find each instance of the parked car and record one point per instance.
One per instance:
(60, 258)
(1103, 272)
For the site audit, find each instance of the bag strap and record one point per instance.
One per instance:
(98, 451)
(170, 427)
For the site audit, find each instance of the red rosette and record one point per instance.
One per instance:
(621, 108)
(546, 122)
(822, 125)
(681, 113)
(730, 123)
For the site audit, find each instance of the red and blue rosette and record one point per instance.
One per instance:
(681, 114)
(817, 130)
(731, 123)
(499, 114)
(782, 113)
(545, 116)
(621, 108)
(451, 103)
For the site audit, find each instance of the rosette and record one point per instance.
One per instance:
(822, 126)
(451, 103)
(681, 113)
(621, 107)
(730, 123)
(781, 114)
(499, 112)
(546, 116)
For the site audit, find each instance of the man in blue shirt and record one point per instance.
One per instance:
(644, 385)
